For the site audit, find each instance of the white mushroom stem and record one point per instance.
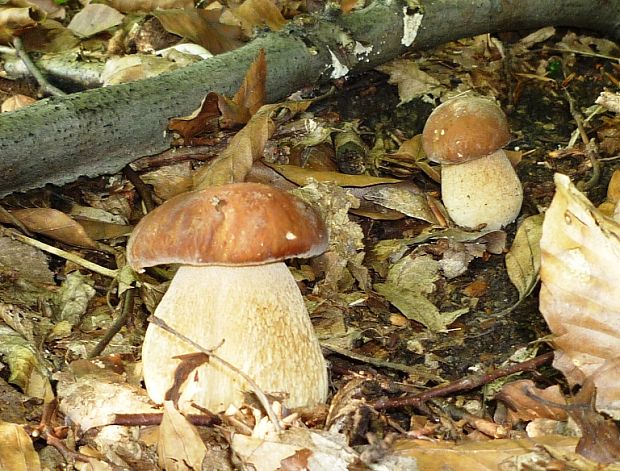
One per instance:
(255, 318)
(482, 191)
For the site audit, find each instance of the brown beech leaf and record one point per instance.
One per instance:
(202, 27)
(580, 269)
(527, 402)
(253, 13)
(200, 120)
(218, 109)
(53, 224)
(235, 162)
(599, 434)
(250, 96)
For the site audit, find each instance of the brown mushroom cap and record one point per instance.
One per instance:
(464, 129)
(236, 224)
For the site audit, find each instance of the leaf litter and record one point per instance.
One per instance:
(400, 299)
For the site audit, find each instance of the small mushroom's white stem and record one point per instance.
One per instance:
(255, 319)
(482, 191)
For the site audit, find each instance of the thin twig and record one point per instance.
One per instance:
(591, 148)
(464, 384)
(59, 252)
(121, 320)
(256, 388)
(46, 87)
(372, 361)
(142, 189)
(155, 419)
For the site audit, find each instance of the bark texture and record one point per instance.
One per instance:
(99, 131)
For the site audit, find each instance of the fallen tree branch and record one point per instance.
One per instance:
(100, 131)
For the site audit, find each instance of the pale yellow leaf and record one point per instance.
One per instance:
(302, 176)
(16, 450)
(180, 447)
(523, 259)
(486, 455)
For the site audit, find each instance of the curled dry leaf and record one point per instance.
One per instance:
(486, 455)
(580, 269)
(28, 370)
(53, 224)
(412, 82)
(235, 162)
(527, 402)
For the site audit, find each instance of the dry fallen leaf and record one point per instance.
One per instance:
(180, 447)
(295, 449)
(253, 13)
(523, 259)
(580, 269)
(94, 18)
(201, 119)
(130, 6)
(201, 27)
(91, 394)
(235, 162)
(15, 21)
(250, 96)
(17, 452)
(28, 370)
(16, 102)
(412, 82)
(302, 176)
(487, 455)
(52, 223)
(527, 402)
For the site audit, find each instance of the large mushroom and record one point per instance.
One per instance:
(478, 183)
(232, 293)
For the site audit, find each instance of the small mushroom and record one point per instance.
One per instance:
(478, 183)
(233, 294)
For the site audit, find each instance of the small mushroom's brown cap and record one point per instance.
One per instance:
(464, 129)
(236, 224)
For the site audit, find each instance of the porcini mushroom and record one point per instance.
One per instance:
(478, 183)
(232, 294)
